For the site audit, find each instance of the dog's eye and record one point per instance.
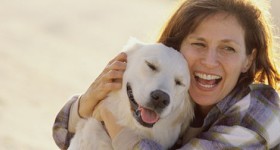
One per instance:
(151, 66)
(178, 82)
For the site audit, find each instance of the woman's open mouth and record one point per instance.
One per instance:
(144, 116)
(207, 81)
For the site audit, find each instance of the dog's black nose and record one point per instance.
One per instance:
(160, 99)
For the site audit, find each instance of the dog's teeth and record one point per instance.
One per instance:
(130, 95)
(137, 112)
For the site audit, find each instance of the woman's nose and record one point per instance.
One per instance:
(209, 59)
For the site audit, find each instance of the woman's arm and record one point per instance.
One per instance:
(109, 80)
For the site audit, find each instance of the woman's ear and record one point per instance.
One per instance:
(250, 60)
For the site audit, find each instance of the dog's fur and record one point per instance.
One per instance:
(150, 68)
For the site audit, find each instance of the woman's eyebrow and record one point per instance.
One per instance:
(230, 41)
(196, 38)
(224, 40)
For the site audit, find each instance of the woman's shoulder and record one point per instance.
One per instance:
(264, 94)
(256, 97)
(259, 105)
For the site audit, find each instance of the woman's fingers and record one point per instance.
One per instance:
(113, 73)
(111, 78)
(118, 63)
(120, 57)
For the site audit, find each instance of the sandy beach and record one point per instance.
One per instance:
(53, 49)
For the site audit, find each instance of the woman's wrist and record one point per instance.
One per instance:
(86, 106)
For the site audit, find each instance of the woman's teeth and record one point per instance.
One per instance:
(206, 85)
(207, 76)
(207, 80)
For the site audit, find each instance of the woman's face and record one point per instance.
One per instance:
(216, 55)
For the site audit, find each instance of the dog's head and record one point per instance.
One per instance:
(155, 82)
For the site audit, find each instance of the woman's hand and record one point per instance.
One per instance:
(110, 122)
(110, 79)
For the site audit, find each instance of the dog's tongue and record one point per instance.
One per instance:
(149, 116)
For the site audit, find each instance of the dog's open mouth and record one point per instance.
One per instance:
(144, 116)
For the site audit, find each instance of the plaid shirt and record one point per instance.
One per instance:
(248, 118)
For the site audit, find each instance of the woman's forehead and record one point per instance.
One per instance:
(221, 26)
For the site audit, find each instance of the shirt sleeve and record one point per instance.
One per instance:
(74, 116)
(61, 133)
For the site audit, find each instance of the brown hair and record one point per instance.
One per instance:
(258, 34)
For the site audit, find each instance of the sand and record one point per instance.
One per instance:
(53, 49)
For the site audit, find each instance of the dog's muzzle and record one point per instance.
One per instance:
(148, 116)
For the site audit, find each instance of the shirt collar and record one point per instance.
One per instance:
(235, 95)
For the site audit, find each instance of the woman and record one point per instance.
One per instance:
(228, 46)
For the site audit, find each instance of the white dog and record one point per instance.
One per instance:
(153, 101)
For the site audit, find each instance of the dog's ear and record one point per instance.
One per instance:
(132, 45)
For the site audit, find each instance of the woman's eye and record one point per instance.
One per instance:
(200, 45)
(229, 49)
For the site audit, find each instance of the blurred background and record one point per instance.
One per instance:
(53, 49)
